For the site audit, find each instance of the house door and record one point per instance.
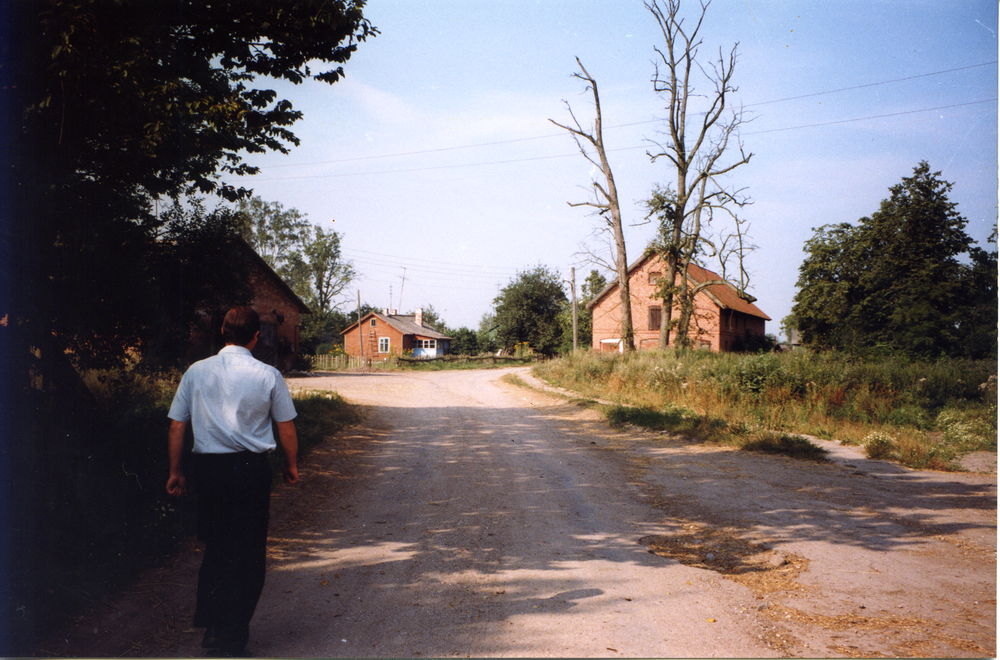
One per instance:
(266, 349)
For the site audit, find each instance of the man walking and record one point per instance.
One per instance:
(230, 400)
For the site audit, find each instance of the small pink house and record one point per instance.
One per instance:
(721, 322)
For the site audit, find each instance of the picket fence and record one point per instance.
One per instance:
(342, 362)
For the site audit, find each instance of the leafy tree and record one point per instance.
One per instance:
(115, 105)
(464, 341)
(592, 286)
(274, 232)
(895, 280)
(977, 329)
(527, 310)
(487, 333)
(305, 256)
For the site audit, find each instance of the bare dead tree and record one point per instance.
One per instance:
(696, 140)
(605, 197)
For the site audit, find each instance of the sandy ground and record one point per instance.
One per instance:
(467, 516)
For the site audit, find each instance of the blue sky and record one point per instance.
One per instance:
(436, 158)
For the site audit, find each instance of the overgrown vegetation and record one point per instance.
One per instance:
(101, 513)
(926, 414)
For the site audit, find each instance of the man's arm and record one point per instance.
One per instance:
(290, 445)
(176, 484)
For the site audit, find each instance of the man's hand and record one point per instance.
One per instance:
(176, 484)
(290, 444)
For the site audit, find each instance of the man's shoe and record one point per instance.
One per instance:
(212, 638)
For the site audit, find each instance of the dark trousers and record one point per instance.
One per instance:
(234, 498)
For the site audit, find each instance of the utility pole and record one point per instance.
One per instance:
(361, 343)
(572, 277)
(400, 305)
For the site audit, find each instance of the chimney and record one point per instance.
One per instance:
(419, 316)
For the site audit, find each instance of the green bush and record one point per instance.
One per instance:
(968, 429)
(879, 445)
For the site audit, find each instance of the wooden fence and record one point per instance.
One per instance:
(343, 362)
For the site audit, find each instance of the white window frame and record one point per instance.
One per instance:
(383, 345)
(428, 343)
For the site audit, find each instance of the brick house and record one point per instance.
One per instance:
(721, 321)
(279, 308)
(385, 334)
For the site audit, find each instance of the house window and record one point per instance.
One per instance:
(654, 318)
(427, 343)
(373, 323)
(383, 344)
(654, 275)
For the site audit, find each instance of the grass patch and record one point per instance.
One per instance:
(793, 446)
(320, 416)
(453, 362)
(934, 411)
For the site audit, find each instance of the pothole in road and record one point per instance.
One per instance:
(757, 567)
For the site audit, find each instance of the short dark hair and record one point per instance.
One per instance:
(240, 326)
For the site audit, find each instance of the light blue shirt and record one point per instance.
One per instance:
(230, 400)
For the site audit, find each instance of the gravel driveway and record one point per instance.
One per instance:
(467, 516)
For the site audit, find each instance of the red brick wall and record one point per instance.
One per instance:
(371, 336)
(705, 330)
(278, 315)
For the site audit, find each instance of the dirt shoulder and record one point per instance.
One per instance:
(852, 557)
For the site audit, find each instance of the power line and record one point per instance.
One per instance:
(637, 123)
(875, 84)
(430, 168)
(413, 260)
(893, 114)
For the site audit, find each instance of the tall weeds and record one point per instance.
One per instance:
(935, 411)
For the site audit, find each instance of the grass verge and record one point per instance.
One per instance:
(928, 413)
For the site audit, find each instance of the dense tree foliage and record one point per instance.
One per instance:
(486, 334)
(464, 341)
(895, 280)
(527, 310)
(112, 107)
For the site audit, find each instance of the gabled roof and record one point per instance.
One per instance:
(406, 324)
(724, 295)
(273, 276)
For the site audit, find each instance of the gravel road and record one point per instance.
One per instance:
(468, 516)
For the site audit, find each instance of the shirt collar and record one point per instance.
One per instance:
(233, 348)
